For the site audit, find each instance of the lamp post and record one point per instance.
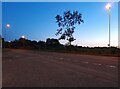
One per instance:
(23, 40)
(108, 7)
(7, 26)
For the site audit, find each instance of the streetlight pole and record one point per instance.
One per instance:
(5, 38)
(109, 26)
(108, 7)
(23, 40)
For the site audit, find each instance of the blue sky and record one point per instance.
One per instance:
(0, 18)
(36, 21)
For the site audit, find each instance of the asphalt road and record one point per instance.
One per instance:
(25, 68)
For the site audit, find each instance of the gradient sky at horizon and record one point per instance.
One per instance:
(36, 20)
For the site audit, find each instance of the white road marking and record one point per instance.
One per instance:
(112, 66)
(86, 62)
(61, 58)
(99, 64)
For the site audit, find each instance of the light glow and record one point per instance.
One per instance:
(22, 36)
(8, 25)
(108, 6)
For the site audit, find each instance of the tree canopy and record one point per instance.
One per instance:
(66, 24)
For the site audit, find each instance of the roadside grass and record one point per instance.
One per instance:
(97, 51)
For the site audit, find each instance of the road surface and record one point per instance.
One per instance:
(25, 68)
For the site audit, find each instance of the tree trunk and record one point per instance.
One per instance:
(70, 43)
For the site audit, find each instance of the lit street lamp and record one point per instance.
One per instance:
(5, 38)
(108, 7)
(23, 40)
(7, 26)
(23, 37)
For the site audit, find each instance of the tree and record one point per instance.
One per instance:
(22, 42)
(41, 44)
(34, 44)
(52, 43)
(66, 24)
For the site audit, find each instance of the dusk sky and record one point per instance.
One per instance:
(37, 21)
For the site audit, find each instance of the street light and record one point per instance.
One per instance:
(23, 40)
(108, 7)
(7, 26)
(23, 37)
